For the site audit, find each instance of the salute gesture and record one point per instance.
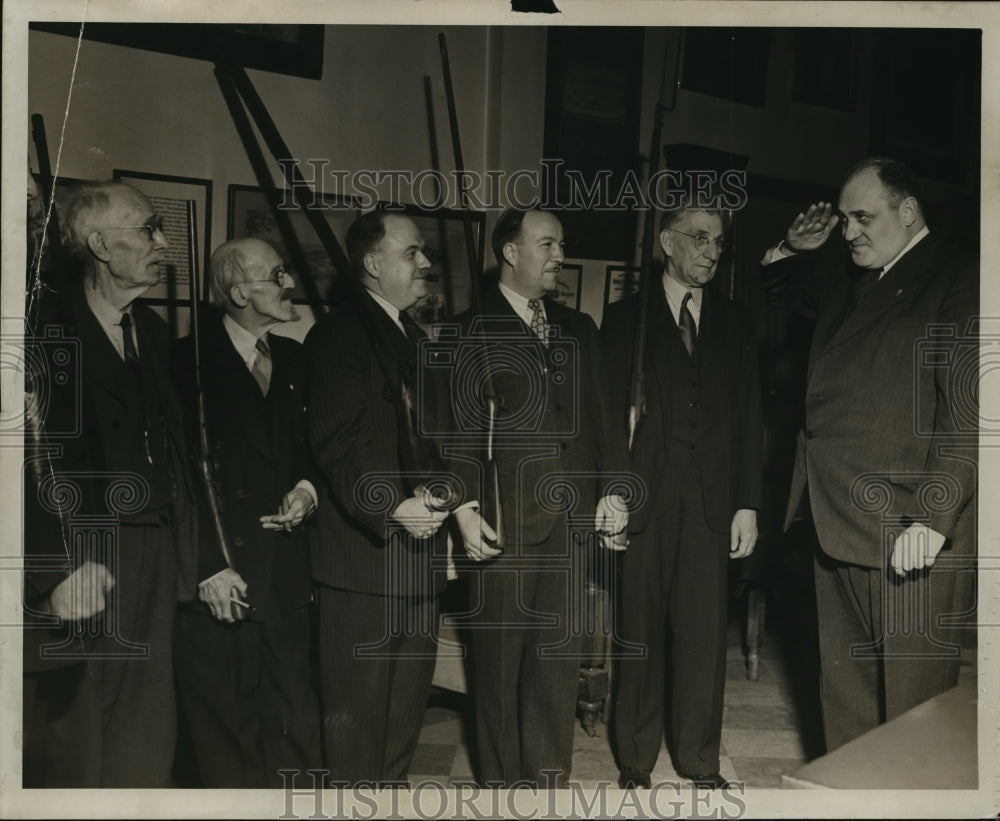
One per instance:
(810, 230)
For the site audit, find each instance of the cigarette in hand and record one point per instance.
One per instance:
(239, 602)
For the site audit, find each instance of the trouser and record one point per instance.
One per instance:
(247, 694)
(673, 604)
(377, 657)
(525, 654)
(883, 648)
(110, 721)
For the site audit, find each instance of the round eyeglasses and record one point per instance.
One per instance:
(150, 226)
(701, 241)
(278, 277)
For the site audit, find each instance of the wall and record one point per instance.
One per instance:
(144, 111)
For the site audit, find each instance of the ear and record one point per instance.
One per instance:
(97, 246)
(667, 241)
(510, 253)
(371, 264)
(237, 297)
(908, 211)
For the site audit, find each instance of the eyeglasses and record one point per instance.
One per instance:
(278, 276)
(701, 240)
(151, 226)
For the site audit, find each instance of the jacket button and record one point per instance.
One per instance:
(238, 541)
(810, 434)
(241, 494)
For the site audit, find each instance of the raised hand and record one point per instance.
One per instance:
(811, 229)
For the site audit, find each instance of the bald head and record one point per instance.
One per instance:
(249, 282)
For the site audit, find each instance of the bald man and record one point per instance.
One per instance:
(242, 649)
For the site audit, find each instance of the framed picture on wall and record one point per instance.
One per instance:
(185, 206)
(443, 230)
(619, 282)
(250, 215)
(567, 290)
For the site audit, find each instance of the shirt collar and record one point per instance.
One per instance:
(244, 341)
(107, 314)
(388, 307)
(520, 304)
(923, 232)
(675, 292)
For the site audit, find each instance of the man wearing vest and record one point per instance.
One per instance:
(558, 460)
(699, 450)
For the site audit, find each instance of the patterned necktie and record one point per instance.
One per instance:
(412, 330)
(262, 366)
(131, 354)
(685, 322)
(538, 320)
(863, 285)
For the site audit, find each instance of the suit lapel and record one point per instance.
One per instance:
(227, 376)
(284, 395)
(893, 289)
(100, 361)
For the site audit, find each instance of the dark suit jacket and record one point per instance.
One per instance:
(355, 440)
(891, 405)
(553, 424)
(258, 451)
(85, 414)
(728, 442)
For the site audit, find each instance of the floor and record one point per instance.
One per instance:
(770, 726)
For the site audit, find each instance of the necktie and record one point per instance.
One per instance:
(131, 354)
(863, 285)
(412, 330)
(538, 320)
(262, 366)
(685, 322)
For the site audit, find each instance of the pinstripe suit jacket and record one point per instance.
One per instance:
(891, 404)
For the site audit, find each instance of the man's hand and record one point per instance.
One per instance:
(81, 594)
(476, 534)
(419, 520)
(742, 533)
(218, 591)
(295, 506)
(915, 548)
(610, 520)
(810, 230)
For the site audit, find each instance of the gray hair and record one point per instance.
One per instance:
(78, 211)
(227, 268)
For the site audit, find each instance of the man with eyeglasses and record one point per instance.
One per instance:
(242, 651)
(886, 460)
(110, 527)
(699, 450)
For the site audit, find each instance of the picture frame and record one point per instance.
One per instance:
(185, 204)
(250, 215)
(568, 284)
(448, 281)
(620, 281)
